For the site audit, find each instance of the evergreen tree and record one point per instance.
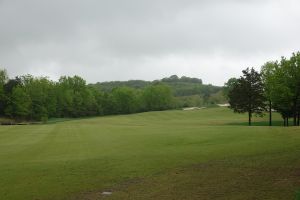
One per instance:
(247, 94)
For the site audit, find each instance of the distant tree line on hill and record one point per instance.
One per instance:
(38, 98)
(184, 79)
(188, 85)
(188, 92)
(276, 87)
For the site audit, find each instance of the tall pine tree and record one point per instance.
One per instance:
(247, 94)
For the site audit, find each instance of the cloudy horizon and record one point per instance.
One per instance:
(137, 39)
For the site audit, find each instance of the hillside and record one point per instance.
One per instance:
(189, 91)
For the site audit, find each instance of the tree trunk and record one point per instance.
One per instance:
(249, 116)
(298, 118)
(270, 113)
(287, 121)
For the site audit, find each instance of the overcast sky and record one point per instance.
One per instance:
(141, 39)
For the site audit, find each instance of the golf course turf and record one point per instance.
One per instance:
(201, 154)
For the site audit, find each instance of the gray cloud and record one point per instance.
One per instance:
(135, 39)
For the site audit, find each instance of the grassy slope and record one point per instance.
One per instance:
(162, 155)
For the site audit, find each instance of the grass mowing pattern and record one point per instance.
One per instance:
(165, 151)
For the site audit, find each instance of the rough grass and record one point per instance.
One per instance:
(204, 154)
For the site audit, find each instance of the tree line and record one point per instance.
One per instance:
(188, 92)
(38, 98)
(275, 88)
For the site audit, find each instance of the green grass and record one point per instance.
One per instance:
(204, 154)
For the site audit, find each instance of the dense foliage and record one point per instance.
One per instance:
(38, 98)
(282, 83)
(281, 88)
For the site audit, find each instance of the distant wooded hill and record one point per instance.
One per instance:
(188, 91)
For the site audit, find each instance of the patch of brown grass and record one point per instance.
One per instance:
(214, 180)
